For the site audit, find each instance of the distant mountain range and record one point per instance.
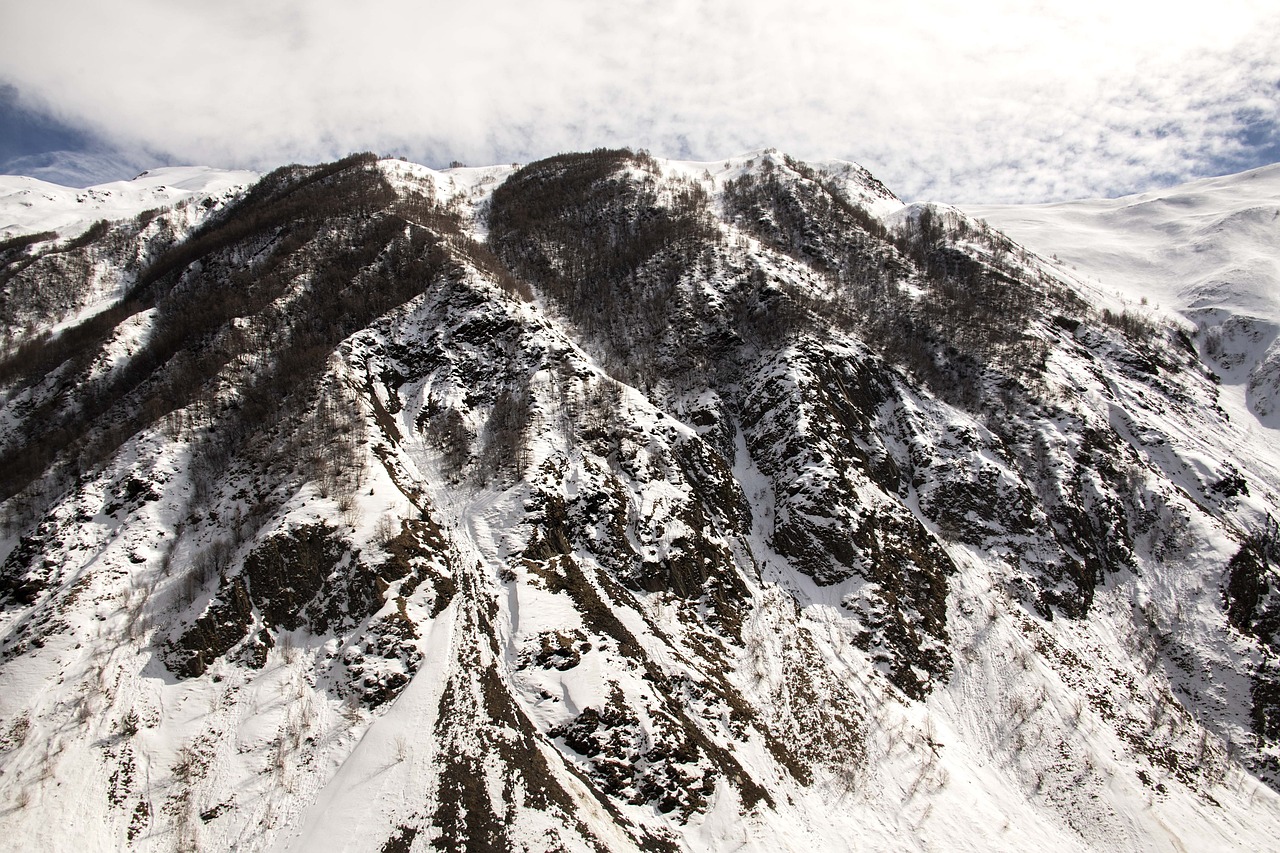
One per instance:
(36, 144)
(73, 168)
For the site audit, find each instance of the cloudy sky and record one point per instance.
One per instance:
(954, 101)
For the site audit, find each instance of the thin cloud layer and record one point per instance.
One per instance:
(1000, 101)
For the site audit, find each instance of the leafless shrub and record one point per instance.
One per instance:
(350, 511)
(288, 648)
(18, 731)
(279, 756)
(46, 762)
(351, 711)
(385, 530)
(1019, 709)
(188, 589)
(186, 766)
(135, 623)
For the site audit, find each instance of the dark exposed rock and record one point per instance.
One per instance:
(1252, 597)
(837, 514)
(22, 577)
(1252, 590)
(223, 624)
(658, 766)
(286, 571)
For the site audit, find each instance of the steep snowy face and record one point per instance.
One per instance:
(613, 503)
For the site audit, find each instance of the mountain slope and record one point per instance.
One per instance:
(1205, 249)
(613, 503)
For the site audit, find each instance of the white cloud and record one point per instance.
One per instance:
(962, 101)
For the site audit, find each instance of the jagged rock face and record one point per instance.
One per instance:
(679, 507)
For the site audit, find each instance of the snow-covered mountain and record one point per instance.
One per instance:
(1206, 250)
(614, 503)
(75, 168)
(31, 206)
